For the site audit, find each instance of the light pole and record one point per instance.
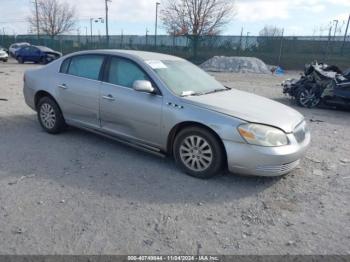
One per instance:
(91, 19)
(37, 18)
(281, 49)
(78, 32)
(345, 35)
(156, 25)
(3, 36)
(240, 39)
(86, 34)
(107, 35)
(147, 37)
(246, 41)
(100, 19)
(328, 41)
(335, 29)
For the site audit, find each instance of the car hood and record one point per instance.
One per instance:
(249, 107)
(52, 53)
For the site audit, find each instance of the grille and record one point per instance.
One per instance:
(281, 169)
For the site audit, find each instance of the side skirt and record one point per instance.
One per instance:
(140, 146)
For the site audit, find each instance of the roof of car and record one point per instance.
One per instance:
(138, 54)
(22, 43)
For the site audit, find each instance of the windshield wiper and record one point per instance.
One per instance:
(219, 90)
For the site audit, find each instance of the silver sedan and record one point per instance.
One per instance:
(166, 105)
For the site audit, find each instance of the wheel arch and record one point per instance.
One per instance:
(186, 124)
(40, 94)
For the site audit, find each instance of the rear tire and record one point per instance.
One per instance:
(50, 116)
(198, 152)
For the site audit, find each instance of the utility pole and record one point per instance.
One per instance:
(107, 35)
(156, 25)
(37, 18)
(3, 36)
(328, 41)
(122, 39)
(91, 19)
(345, 35)
(240, 39)
(78, 32)
(281, 48)
(334, 44)
(174, 35)
(336, 27)
(246, 41)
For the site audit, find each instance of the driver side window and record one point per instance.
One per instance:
(123, 72)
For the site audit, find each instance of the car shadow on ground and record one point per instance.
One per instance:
(87, 161)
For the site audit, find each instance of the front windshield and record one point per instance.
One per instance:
(184, 78)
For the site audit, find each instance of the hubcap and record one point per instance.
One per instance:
(308, 98)
(47, 116)
(196, 153)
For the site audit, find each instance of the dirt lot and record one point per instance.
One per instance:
(78, 193)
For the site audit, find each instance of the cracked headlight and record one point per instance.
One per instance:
(262, 135)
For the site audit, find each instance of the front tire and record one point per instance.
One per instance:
(20, 60)
(198, 152)
(43, 61)
(50, 116)
(308, 98)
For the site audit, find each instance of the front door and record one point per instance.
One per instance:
(126, 112)
(79, 89)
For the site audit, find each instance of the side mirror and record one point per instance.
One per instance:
(143, 86)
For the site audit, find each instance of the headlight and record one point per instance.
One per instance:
(262, 135)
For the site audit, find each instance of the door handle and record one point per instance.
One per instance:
(108, 97)
(63, 86)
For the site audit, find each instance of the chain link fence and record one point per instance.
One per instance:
(287, 52)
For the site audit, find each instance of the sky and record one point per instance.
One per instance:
(297, 17)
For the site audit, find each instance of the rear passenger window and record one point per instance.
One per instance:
(64, 66)
(87, 66)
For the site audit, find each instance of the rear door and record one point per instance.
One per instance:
(79, 88)
(126, 112)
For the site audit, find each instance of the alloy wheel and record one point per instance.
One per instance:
(47, 115)
(196, 153)
(308, 98)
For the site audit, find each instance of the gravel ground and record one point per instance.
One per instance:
(78, 193)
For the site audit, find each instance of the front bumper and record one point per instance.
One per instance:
(248, 159)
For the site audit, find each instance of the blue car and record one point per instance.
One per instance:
(36, 54)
